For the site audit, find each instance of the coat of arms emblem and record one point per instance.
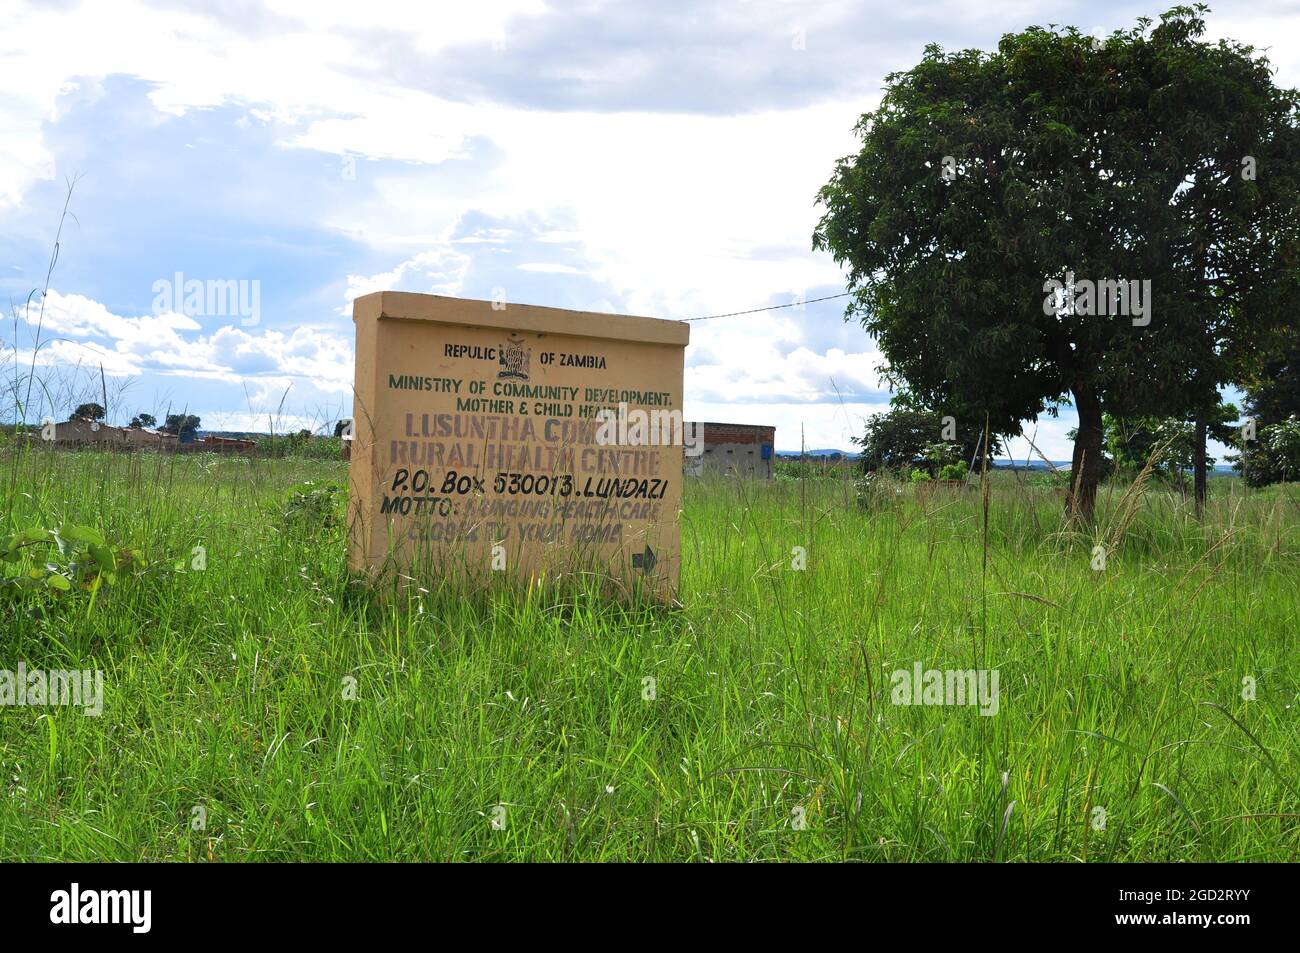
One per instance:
(514, 360)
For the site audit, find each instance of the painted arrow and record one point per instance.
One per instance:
(644, 561)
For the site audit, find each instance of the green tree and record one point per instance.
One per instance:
(88, 411)
(180, 424)
(1148, 157)
(900, 436)
(1280, 444)
(1131, 440)
(1274, 394)
(1273, 455)
(1272, 399)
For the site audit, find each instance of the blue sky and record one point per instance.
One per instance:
(657, 159)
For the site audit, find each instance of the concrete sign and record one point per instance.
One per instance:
(499, 440)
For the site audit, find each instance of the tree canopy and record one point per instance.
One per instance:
(901, 435)
(180, 424)
(1000, 199)
(1131, 440)
(1270, 441)
(88, 411)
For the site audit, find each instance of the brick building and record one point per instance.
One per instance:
(83, 432)
(223, 444)
(746, 450)
(148, 438)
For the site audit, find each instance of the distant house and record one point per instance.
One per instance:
(744, 450)
(83, 432)
(146, 438)
(225, 444)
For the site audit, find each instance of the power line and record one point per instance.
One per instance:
(773, 307)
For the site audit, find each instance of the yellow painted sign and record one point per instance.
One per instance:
(495, 440)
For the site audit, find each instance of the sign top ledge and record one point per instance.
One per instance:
(441, 309)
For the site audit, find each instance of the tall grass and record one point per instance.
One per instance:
(524, 726)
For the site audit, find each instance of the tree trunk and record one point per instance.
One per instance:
(1198, 464)
(1086, 463)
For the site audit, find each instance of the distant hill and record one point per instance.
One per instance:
(1220, 469)
(823, 452)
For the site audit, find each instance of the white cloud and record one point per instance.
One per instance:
(80, 316)
(80, 331)
(545, 268)
(436, 271)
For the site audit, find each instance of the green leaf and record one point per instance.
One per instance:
(55, 581)
(104, 557)
(82, 534)
(11, 546)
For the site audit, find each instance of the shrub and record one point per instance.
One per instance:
(59, 561)
(1275, 456)
(312, 506)
(876, 490)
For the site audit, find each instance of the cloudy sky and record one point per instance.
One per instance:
(644, 158)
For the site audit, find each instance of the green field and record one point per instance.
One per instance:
(517, 726)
